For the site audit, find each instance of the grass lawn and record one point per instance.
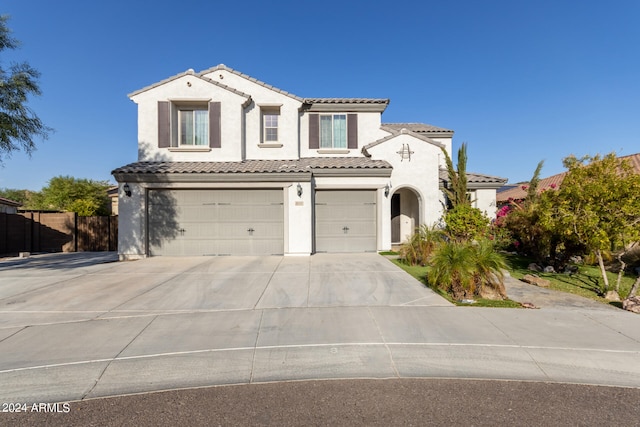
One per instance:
(420, 273)
(587, 282)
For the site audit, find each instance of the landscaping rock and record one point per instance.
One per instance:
(549, 269)
(570, 269)
(632, 304)
(497, 292)
(612, 296)
(535, 280)
(534, 267)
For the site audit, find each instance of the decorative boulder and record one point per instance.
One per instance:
(571, 269)
(549, 269)
(535, 280)
(496, 292)
(534, 267)
(632, 304)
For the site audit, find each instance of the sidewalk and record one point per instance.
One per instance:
(72, 353)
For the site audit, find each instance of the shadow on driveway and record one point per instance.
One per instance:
(57, 261)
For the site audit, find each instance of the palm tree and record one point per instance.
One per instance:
(453, 269)
(468, 269)
(489, 266)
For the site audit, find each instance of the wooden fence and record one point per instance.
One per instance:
(56, 232)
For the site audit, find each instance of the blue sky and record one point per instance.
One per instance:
(518, 81)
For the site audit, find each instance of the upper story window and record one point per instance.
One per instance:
(333, 131)
(194, 126)
(189, 125)
(270, 121)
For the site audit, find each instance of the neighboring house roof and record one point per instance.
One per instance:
(519, 192)
(255, 166)
(9, 202)
(475, 180)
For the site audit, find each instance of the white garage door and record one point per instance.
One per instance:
(346, 221)
(216, 222)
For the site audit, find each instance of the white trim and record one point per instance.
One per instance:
(187, 148)
(333, 151)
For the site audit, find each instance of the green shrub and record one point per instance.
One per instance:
(468, 269)
(466, 223)
(420, 246)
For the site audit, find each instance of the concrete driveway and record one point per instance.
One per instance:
(76, 326)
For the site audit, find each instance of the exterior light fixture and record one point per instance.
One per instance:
(127, 189)
(386, 190)
(299, 188)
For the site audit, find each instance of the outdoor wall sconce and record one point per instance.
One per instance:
(299, 188)
(127, 189)
(386, 190)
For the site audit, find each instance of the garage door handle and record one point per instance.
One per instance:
(250, 230)
(345, 229)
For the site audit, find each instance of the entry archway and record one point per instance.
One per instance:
(405, 214)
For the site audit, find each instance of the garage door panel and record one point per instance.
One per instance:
(346, 221)
(216, 222)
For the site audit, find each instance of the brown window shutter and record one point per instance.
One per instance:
(164, 130)
(215, 136)
(352, 131)
(314, 131)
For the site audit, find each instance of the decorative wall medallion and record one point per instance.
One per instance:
(405, 153)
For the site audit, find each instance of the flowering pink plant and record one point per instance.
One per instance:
(503, 211)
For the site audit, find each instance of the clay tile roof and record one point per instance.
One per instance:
(475, 178)
(252, 79)
(415, 127)
(253, 166)
(345, 101)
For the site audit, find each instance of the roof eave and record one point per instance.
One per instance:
(372, 106)
(213, 177)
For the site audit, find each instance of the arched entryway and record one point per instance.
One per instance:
(405, 214)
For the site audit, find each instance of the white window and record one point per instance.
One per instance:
(333, 131)
(194, 126)
(270, 126)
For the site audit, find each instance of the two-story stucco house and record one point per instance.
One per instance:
(229, 165)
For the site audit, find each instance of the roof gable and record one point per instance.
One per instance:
(394, 133)
(208, 74)
(192, 73)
